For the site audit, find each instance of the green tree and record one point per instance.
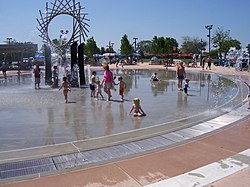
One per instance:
(220, 38)
(144, 46)
(126, 48)
(192, 45)
(158, 45)
(171, 45)
(91, 47)
(231, 43)
(162, 45)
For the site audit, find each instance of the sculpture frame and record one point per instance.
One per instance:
(64, 7)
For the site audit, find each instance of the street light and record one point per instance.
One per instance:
(110, 46)
(62, 49)
(63, 36)
(9, 40)
(135, 43)
(209, 28)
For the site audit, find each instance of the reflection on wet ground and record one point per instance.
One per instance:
(32, 117)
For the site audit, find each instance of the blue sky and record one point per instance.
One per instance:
(144, 19)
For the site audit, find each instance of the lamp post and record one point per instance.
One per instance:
(63, 50)
(63, 36)
(135, 43)
(9, 39)
(110, 46)
(209, 28)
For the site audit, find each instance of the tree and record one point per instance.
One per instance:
(144, 46)
(91, 47)
(231, 43)
(126, 48)
(162, 45)
(219, 40)
(192, 45)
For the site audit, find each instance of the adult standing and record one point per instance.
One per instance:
(181, 74)
(108, 80)
(37, 74)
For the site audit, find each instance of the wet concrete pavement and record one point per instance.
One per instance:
(168, 166)
(32, 118)
(160, 165)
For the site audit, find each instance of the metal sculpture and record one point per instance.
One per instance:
(79, 32)
(64, 7)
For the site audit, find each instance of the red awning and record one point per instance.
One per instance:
(178, 55)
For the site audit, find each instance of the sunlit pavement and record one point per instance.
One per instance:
(220, 157)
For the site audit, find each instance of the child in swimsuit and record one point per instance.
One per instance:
(66, 88)
(99, 90)
(186, 86)
(122, 87)
(137, 108)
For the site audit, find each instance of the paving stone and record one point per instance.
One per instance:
(117, 151)
(188, 132)
(202, 127)
(94, 156)
(135, 148)
(162, 140)
(175, 137)
(147, 144)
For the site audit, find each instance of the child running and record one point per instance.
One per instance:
(66, 88)
(99, 90)
(122, 87)
(137, 108)
(248, 94)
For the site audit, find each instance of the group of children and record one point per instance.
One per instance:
(96, 90)
(96, 86)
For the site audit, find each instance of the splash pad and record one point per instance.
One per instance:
(33, 118)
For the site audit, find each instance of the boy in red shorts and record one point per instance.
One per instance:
(122, 87)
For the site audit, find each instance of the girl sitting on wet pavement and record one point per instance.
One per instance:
(137, 108)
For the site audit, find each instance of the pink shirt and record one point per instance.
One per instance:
(108, 76)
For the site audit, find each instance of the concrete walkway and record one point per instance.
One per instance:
(218, 157)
